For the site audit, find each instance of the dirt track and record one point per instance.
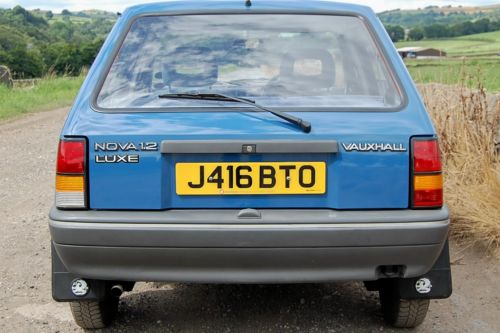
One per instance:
(28, 148)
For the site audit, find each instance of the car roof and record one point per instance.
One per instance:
(228, 5)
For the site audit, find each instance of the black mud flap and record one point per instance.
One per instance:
(434, 284)
(62, 281)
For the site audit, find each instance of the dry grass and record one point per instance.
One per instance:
(467, 122)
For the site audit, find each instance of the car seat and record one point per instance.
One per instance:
(315, 84)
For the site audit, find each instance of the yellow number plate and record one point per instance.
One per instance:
(239, 178)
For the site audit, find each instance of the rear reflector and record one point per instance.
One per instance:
(428, 198)
(426, 174)
(70, 178)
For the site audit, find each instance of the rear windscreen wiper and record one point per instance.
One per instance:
(302, 124)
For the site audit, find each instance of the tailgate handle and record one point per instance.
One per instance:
(249, 213)
(242, 146)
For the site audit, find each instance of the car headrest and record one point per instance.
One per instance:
(189, 67)
(325, 78)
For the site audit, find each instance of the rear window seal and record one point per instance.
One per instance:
(116, 48)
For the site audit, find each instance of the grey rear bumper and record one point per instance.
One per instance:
(274, 246)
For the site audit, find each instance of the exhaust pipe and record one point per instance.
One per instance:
(116, 290)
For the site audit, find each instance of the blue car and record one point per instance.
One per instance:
(249, 142)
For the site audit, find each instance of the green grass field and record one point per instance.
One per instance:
(455, 71)
(471, 59)
(46, 94)
(478, 45)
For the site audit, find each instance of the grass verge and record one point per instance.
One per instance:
(457, 71)
(46, 94)
(467, 122)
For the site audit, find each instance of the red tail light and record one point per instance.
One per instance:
(71, 157)
(426, 156)
(70, 178)
(427, 174)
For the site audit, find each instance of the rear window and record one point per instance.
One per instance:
(290, 61)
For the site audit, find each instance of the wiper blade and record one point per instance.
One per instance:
(302, 124)
(207, 97)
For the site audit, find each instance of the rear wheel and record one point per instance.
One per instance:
(400, 312)
(94, 314)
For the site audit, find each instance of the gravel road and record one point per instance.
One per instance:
(28, 148)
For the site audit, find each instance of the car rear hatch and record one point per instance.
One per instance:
(149, 152)
(155, 161)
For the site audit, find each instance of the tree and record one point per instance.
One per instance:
(62, 30)
(436, 31)
(89, 51)
(25, 17)
(49, 14)
(65, 12)
(23, 63)
(63, 57)
(416, 34)
(10, 38)
(396, 32)
(482, 25)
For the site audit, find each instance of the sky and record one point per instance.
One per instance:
(120, 5)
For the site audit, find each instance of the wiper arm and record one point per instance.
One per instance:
(302, 124)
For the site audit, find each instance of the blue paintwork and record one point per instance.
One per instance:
(370, 180)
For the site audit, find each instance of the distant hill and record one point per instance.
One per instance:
(441, 15)
(77, 17)
(85, 12)
(34, 42)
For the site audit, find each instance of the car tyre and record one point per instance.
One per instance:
(94, 314)
(400, 312)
